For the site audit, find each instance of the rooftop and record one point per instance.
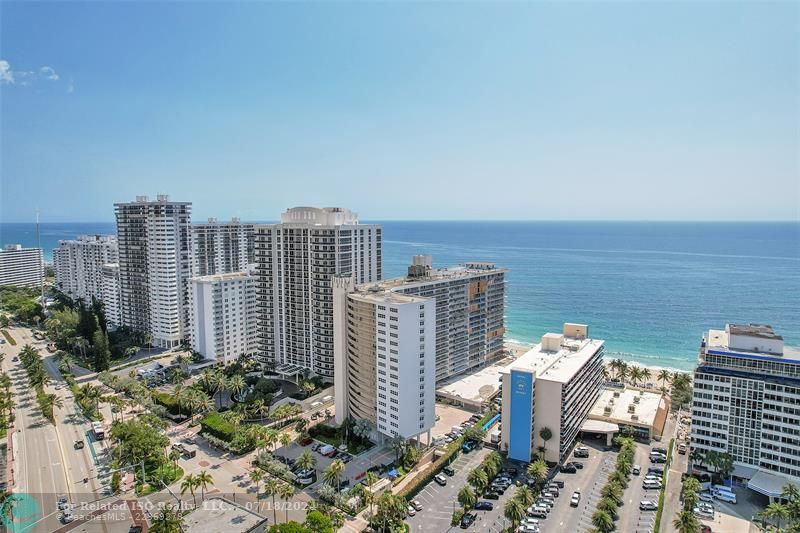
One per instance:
(387, 297)
(613, 406)
(464, 271)
(761, 331)
(475, 387)
(557, 357)
(228, 276)
(220, 514)
(752, 340)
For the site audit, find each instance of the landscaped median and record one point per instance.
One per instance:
(9, 338)
(664, 478)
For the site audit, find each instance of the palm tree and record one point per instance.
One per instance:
(646, 374)
(514, 511)
(204, 479)
(664, 376)
(48, 403)
(333, 473)
(778, 512)
(306, 461)
(189, 483)
(467, 497)
(256, 476)
(285, 439)
(286, 492)
(608, 506)
(236, 385)
(546, 434)
(602, 521)
(635, 375)
(271, 489)
(697, 456)
(525, 495)
(174, 455)
(218, 385)
(686, 522)
(369, 481)
(537, 471)
(260, 408)
(478, 479)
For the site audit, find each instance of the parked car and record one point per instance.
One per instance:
(410, 511)
(416, 505)
(67, 517)
(440, 479)
(63, 503)
(705, 497)
(576, 499)
(581, 451)
(467, 520)
(79, 444)
(636, 470)
(449, 471)
(704, 510)
(491, 495)
(569, 468)
(647, 505)
(558, 483)
(705, 529)
(484, 506)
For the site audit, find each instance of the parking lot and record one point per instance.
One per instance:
(438, 503)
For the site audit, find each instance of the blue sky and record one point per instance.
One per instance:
(623, 110)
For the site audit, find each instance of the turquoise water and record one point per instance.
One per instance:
(648, 289)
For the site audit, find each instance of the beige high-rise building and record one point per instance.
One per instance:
(222, 247)
(78, 264)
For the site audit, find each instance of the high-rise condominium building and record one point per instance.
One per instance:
(747, 403)
(20, 266)
(223, 318)
(470, 307)
(79, 265)
(222, 247)
(154, 266)
(295, 261)
(110, 294)
(554, 386)
(385, 359)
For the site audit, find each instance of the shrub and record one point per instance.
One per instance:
(213, 424)
(168, 401)
(457, 515)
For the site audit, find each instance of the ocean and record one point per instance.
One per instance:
(650, 289)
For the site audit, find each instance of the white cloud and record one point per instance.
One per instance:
(25, 78)
(6, 74)
(48, 73)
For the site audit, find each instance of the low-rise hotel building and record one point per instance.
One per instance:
(21, 267)
(746, 402)
(554, 386)
(223, 316)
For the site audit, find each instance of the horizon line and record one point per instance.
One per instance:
(491, 220)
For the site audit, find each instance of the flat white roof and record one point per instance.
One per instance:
(645, 409)
(559, 365)
(768, 483)
(475, 387)
(220, 514)
(720, 340)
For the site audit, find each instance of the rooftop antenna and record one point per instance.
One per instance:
(41, 260)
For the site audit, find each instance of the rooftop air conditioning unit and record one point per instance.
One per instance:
(634, 417)
(616, 394)
(631, 408)
(636, 399)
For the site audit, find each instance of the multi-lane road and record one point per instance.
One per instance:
(43, 458)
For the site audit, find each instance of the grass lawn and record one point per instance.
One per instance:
(168, 472)
(9, 338)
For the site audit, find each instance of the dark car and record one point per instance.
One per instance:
(569, 468)
(655, 470)
(491, 495)
(577, 465)
(449, 471)
(659, 450)
(558, 483)
(79, 444)
(467, 520)
(135, 529)
(484, 506)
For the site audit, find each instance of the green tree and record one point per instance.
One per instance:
(333, 473)
(525, 496)
(686, 522)
(189, 483)
(467, 497)
(776, 512)
(271, 490)
(286, 493)
(514, 512)
(537, 471)
(603, 521)
(316, 522)
(478, 479)
(546, 434)
(204, 479)
(306, 461)
(102, 355)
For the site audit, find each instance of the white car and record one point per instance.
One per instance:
(411, 511)
(528, 529)
(67, 517)
(705, 497)
(416, 505)
(648, 505)
(705, 510)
